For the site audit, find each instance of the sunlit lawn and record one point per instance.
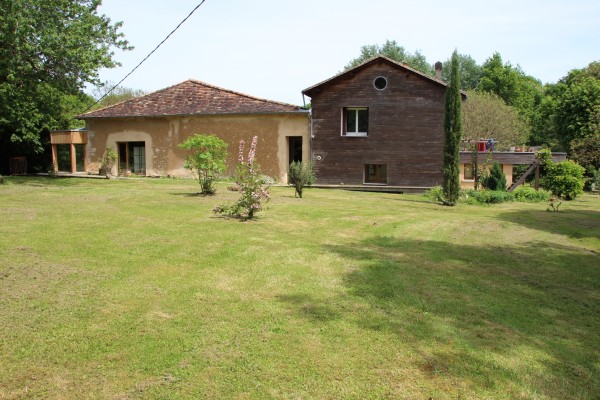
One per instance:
(134, 289)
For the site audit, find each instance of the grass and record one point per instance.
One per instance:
(134, 289)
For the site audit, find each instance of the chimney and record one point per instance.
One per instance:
(438, 70)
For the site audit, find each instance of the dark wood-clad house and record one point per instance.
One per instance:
(380, 123)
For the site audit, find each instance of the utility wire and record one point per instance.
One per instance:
(147, 57)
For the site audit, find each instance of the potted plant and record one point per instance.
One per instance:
(107, 161)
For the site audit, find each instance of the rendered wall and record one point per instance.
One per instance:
(162, 135)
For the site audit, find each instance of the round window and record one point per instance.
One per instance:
(380, 83)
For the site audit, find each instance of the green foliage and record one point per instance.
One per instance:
(300, 176)
(571, 109)
(594, 181)
(107, 161)
(117, 95)
(470, 72)
(586, 151)
(511, 84)
(252, 186)
(486, 196)
(487, 115)
(109, 157)
(207, 159)
(48, 52)
(530, 195)
(496, 179)
(453, 133)
(436, 194)
(564, 179)
(392, 50)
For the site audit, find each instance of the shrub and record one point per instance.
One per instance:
(253, 187)
(107, 161)
(207, 159)
(486, 196)
(301, 175)
(564, 179)
(436, 194)
(529, 194)
(496, 180)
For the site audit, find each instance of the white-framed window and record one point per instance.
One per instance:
(355, 121)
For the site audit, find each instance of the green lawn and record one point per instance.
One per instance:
(134, 289)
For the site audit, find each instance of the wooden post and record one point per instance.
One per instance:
(73, 159)
(54, 159)
(84, 157)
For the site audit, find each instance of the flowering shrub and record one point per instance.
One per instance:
(252, 186)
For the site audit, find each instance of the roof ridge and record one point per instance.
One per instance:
(240, 93)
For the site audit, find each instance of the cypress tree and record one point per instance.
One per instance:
(453, 133)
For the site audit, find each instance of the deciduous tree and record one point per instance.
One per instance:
(207, 159)
(485, 115)
(48, 50)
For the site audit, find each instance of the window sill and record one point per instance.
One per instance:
(359, 134)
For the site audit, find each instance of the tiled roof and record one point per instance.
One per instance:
(375, 59)
(191, 97)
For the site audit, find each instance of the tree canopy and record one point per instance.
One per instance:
(485, 115)
(49, 50)
(393, 50)
(117, 95)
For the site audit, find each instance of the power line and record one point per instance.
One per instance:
(147, 57)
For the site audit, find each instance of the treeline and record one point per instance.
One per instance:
(515, 108)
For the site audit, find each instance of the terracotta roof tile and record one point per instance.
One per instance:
(191, 97)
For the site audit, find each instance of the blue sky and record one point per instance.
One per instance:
(276, 48)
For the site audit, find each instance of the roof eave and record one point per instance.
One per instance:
(83, 117)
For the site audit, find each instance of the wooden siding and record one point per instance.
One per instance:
(405, 128)
(68, 137)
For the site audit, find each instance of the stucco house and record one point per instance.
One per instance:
(146, 131)
(380, 125)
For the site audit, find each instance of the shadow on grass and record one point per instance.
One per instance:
(571, 222)
(518, 318)
(45, 181)
(194, 194)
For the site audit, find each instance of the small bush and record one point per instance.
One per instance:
(529, 194)
(436, 194)
(486, 196)
(564, 179)
(207, 159)
(301, 175)
(496, 179)
(250, 183)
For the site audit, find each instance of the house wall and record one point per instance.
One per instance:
(162, 135)
(405, 128)
(507, 169)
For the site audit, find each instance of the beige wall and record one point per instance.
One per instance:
(163, 135)
(469, 184)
